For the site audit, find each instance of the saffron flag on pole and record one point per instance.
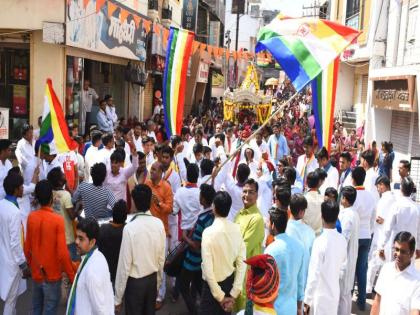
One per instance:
(324, 88)
(304, 46)
(54, 134)
(178, 53)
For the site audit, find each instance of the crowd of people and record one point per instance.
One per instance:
(273, 225)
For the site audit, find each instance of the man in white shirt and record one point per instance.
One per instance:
(105, 124)
(137, 138)
(5, 164)
(108, 148)
(350, 222)
(229, 141)
(148, 151)
(344, 164)
(223, 253)
(91, 292)
(365, 207)
(307, 162)
(367, 160)
(25, 154)
(398, 280)
(404, 216)
(92, 155)
(89, 95)
(404, 168)
(332, 172)
(383, 215)
(259, 146)
(142, 256)
(312, 215)
(187, 200)
(151, 129)
(198, 138)
(329, 253)
(50, 159)
(110, 110)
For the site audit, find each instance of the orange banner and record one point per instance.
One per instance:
(137, 20)
(99, 5)
(195, 46)
(147, 25)
(123, 14)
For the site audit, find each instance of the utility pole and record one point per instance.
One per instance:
(236, 44)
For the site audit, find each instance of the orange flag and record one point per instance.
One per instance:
(99, 5)
(137, 20)
(195, 46)
(123, 14)
(147, 25)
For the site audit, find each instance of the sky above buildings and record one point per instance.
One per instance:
(287, 7)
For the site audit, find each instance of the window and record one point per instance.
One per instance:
(352, 13)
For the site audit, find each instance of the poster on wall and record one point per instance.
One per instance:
(19, 100)
(189, 15)
(107, 27)
(4, 123)
(203, 72)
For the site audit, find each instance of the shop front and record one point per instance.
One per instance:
(108, 48)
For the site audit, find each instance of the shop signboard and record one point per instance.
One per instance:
(4, 123)
(203, 72)
(107, 27)
(214, 33)
(189, 14)
(394, 93)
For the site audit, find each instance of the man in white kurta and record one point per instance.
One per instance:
(349, 220)
(5, 164)
(92, 285)
(12, 258)
(25, 154)
(328, 256)
(383, 212)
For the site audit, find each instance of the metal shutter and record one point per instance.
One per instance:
(415, 146)
(400, 130)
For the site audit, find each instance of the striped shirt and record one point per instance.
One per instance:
(192, 261)
(97, 200)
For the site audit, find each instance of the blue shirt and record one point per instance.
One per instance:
(306, 236)
(282, 150)
(289, 256)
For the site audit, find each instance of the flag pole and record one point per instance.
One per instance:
(252, 136)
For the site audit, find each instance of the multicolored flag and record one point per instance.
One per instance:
(178, 53)
(54, 134)
(304, 46)
(324, 88)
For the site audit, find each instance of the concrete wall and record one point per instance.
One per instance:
(344, 98)
(176, 12)
(137, 5)
(46, 61)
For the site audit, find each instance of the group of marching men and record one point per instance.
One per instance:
(313, 234)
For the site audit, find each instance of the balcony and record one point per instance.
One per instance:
(353, 21)
(167, 17)
(153, 5)
(153, 10)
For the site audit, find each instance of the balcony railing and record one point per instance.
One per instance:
(167, 14)
(153, 5)
(353, 21)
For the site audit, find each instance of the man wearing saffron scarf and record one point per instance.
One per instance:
(262, 285)
(91, 292)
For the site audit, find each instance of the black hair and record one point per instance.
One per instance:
(331, 192)
(243, 172)
(369, 157)
(107, 138)
(284, 162)
(383, 180)
(251, 181)
(346, 155)
(308, 141)
(120, 143)
(96, 136)
(142, 197)
(126, 130)
(119, 129)
(350, 193)
(198, 148)
(147, 139)
(358, 174)
(290, 174)
(199, 132)
(98, 173)
(208, 193)
(206, 149)
(12, 182)
(406, 164)
(298, 203)
(185, 131)
(322, 174)
(406, 237)
(26, 128)
(118, 156)
(322, 153)
(279, 218)
(90, 227)
(220, 136)
(15, 170)
(119, 212)
(312, 180)
(175, 140)
(206, 167)
(222, 203)
(329, 211)
(43, 192)
(192, 173)
(407, 186)
(283, 196)
(167, 150)
(107, 97)
(5, 144)
(141, 155)
(55, 177)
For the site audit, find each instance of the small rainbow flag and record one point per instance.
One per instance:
(54, 134)
(324, 88)
(178, 53)
(304, 46)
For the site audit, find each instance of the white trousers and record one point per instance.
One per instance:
(374, 266)
(162, 289)
(344, 305)
(11, 299)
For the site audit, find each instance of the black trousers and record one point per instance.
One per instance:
(140, 295)
(209, 305)
(189, 283)
(87, 124)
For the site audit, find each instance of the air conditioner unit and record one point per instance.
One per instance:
(254, 10)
